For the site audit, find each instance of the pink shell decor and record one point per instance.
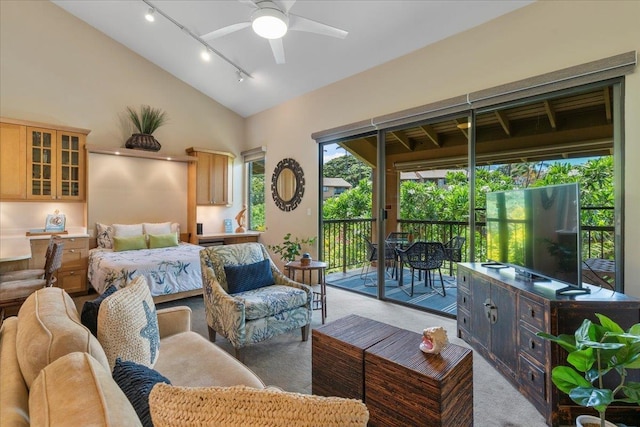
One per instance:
(434, 339)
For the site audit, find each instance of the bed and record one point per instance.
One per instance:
(172, 272)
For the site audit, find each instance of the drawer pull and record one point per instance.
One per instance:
(72, 250)
(532, 376)
(72, 239)
(464, 300)
(532, 312)
(532, 344)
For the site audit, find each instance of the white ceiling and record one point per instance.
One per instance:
(379, 31)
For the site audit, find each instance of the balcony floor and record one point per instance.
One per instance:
(424, 298)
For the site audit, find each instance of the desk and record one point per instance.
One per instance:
(319, 301)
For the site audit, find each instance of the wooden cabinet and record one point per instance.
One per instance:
(42, 162)
(213, 177)
(500, 316)
(72, 275)
(231, 239)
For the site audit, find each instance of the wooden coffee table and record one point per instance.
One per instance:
(382, 365)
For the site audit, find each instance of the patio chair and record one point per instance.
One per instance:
(390, 257)
(453, 251)
(248, 299)
(423, 256)
(16, 287)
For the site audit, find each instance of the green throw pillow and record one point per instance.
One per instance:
(162, 240)
(129, 243)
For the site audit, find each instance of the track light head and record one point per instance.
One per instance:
(206, 55)
(150, 16)
(240, 76)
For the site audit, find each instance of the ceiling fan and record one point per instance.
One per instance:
(271, 20)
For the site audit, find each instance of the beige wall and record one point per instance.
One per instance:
(56, 69)
(539, 38)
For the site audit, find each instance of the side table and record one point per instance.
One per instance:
(319, 301)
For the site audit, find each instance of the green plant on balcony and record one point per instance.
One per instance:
(595, 350)
(290, 248)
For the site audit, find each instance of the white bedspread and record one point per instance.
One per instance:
(167, 270)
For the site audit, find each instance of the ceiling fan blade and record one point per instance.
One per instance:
(249, 3)
(225, 30)
(278, 50)
(285, 4)
(298, 23)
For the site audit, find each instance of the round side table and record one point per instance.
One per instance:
(319, 301)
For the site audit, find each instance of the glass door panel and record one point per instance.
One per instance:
(41, 157)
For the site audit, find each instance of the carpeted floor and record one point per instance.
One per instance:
(285, 361)
(424, 297)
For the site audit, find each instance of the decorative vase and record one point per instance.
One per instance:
(306, 259)
(142, 141)
(591, 421)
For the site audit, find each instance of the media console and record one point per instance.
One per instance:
(499, 317)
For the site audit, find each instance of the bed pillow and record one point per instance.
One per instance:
(128, 325)
(162, 240)
(104, 235)
(89, 316)
(125, 230)
(136, 382)
(156, 228)
(129, 243)
(242, 278)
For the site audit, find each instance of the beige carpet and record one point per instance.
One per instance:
(285, 361)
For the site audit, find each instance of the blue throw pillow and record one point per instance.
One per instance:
(136, 382)
(242, 278)
(89, 316)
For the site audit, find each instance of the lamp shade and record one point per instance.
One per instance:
(269, 23)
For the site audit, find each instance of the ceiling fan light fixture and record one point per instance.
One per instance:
(206, 55)
(269, 23)
(150, 16)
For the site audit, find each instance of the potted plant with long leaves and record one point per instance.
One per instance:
(146, 121)
(594, 351)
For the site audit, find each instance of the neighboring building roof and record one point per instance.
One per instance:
(335, 182)
(430, 174)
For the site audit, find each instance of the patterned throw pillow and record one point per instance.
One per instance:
(104, 237)
(128, 325)
(136, 381)
(242, 278)
(89, 316)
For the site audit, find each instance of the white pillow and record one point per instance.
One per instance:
(128, 325)
(157, 228)
(127, 230)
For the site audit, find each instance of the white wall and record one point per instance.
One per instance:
(542, 37)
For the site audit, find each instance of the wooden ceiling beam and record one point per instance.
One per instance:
(607, 104)
(431, 134)
(551, 114)
(463, 125)
(504, 122)
(403, 139)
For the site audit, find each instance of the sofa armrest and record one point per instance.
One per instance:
(174, 320)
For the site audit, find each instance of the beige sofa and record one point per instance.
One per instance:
(55, 372)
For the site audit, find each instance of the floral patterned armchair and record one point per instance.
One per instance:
(255, 315)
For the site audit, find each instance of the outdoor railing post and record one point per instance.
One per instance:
(344, 247)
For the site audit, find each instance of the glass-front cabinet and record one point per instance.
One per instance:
(55, 164)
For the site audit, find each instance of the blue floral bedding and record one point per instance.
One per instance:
(167, 270)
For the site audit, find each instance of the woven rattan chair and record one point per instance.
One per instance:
(14, 292)
(423, 256)
(372, 256)
(453, 251)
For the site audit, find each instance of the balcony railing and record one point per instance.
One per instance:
(344, 247)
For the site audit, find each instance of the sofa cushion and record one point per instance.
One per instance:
(14, 397)
(128, 325)
(272, 300)
(76, 390)
(136, 381)
(243, 406)
(89, 315)
(49, 327)
(212, 367)
(241, 278)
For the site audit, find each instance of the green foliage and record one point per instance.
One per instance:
(256, 206)
(290, 248)
(348, 168)
(148, 119)
(594, 350)
(353, 203)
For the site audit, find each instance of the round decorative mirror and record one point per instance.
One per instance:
(287, 184)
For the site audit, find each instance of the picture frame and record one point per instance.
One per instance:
(55, 223)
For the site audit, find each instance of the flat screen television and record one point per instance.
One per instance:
(537, 231)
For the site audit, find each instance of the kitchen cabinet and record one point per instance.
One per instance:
(13, 161)
(213, 176)
(72, 275)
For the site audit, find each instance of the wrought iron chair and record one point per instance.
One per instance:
(372, 256)
(423, 256)
(453, 251)
(14, 292)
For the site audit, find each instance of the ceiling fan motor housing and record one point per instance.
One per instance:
(269, 21)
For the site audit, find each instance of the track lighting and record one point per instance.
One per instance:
(240, 76)
(150, 15)
(206, 55)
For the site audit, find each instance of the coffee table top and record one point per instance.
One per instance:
(357, 331)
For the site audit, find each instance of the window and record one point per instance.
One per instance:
(254, 161)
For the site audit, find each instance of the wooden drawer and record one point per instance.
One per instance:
(531, 312)
(532, 380)
(72, 281)
(76, 243)
(464, 323)
(74, 258)
(464, 300)
(532, 344)
(463, 279)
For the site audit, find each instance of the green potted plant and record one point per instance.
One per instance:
(595, 350)
(290, 248)
(146, 121)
